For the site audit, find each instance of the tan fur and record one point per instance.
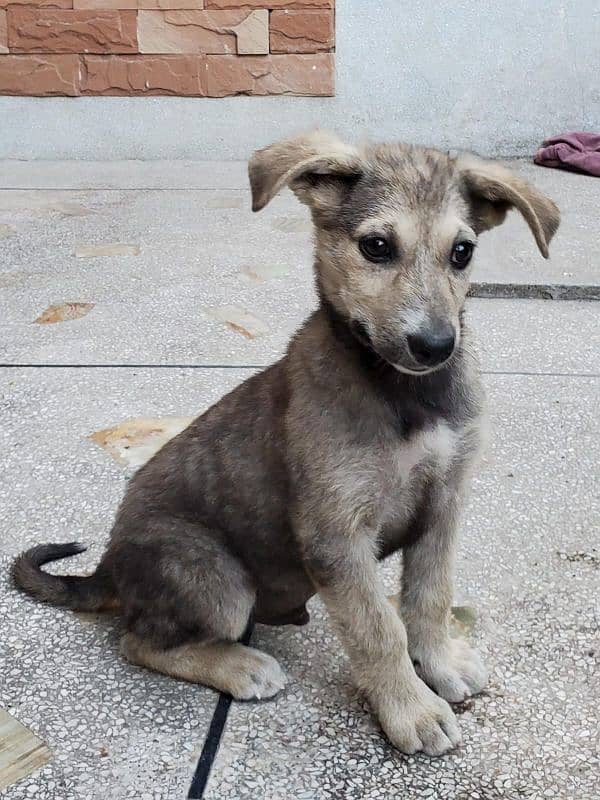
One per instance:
(243, 672)
(358, 443)
(493, 183)
(384, 300)
(358, 501)
(276, 166)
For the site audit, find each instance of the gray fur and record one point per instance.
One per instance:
(339, 454)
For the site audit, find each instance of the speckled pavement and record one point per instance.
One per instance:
(116, 731)
(533, 733)
(530, 546)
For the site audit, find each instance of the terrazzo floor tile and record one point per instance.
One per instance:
(506, 256)
(533, 733)
(528, 569)
(106, 250)
(118, 730)
(133, 174)
(115, 730)
(200, 252)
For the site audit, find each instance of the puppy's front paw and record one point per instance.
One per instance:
(419, 721)
(455, 670)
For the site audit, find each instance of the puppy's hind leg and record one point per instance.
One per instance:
(187, 600)
(238, 670)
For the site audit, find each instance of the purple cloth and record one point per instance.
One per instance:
(579, 152)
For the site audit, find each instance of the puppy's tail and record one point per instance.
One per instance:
(80, 593)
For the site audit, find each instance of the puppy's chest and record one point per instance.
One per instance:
(424, 455)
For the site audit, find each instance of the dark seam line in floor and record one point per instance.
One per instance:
(135, 366)
(210, 748)
(490, 290)
(128, 189)
(264, 366)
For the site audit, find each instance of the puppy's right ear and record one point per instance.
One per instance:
(298, 163)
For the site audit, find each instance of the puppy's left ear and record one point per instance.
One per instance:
(492, 190)
(299, 163)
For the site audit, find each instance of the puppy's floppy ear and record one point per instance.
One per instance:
(493, 190)
(297, 163)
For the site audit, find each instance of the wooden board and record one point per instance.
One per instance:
(20, 751)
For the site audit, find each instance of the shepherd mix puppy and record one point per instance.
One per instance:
(358, 443)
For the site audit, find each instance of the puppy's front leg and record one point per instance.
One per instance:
(411, 715)
(450, 666)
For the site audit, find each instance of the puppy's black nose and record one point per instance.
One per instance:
(430, 348)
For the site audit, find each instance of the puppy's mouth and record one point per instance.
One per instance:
(360, 332)
(416, 370)
(359, 329)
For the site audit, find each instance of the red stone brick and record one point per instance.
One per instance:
(138, 4)
(143, 75)
(39, 74)
(277, 74)
(269, 3)
(37, 3)
(48, 31)
(301, 31)
(3, 32)
(238, 31)
(185, 32)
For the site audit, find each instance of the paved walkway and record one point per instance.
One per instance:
(115, 347)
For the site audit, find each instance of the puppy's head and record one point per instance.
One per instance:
(396, 229)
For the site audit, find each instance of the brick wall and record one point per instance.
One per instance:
(204, 48)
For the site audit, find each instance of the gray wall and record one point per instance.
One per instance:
(495, 77)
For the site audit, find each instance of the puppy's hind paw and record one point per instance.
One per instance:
(258, 676)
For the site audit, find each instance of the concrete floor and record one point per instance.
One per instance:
(155, 345)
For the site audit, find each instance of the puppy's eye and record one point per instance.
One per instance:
(375, 248)
(461, 254)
